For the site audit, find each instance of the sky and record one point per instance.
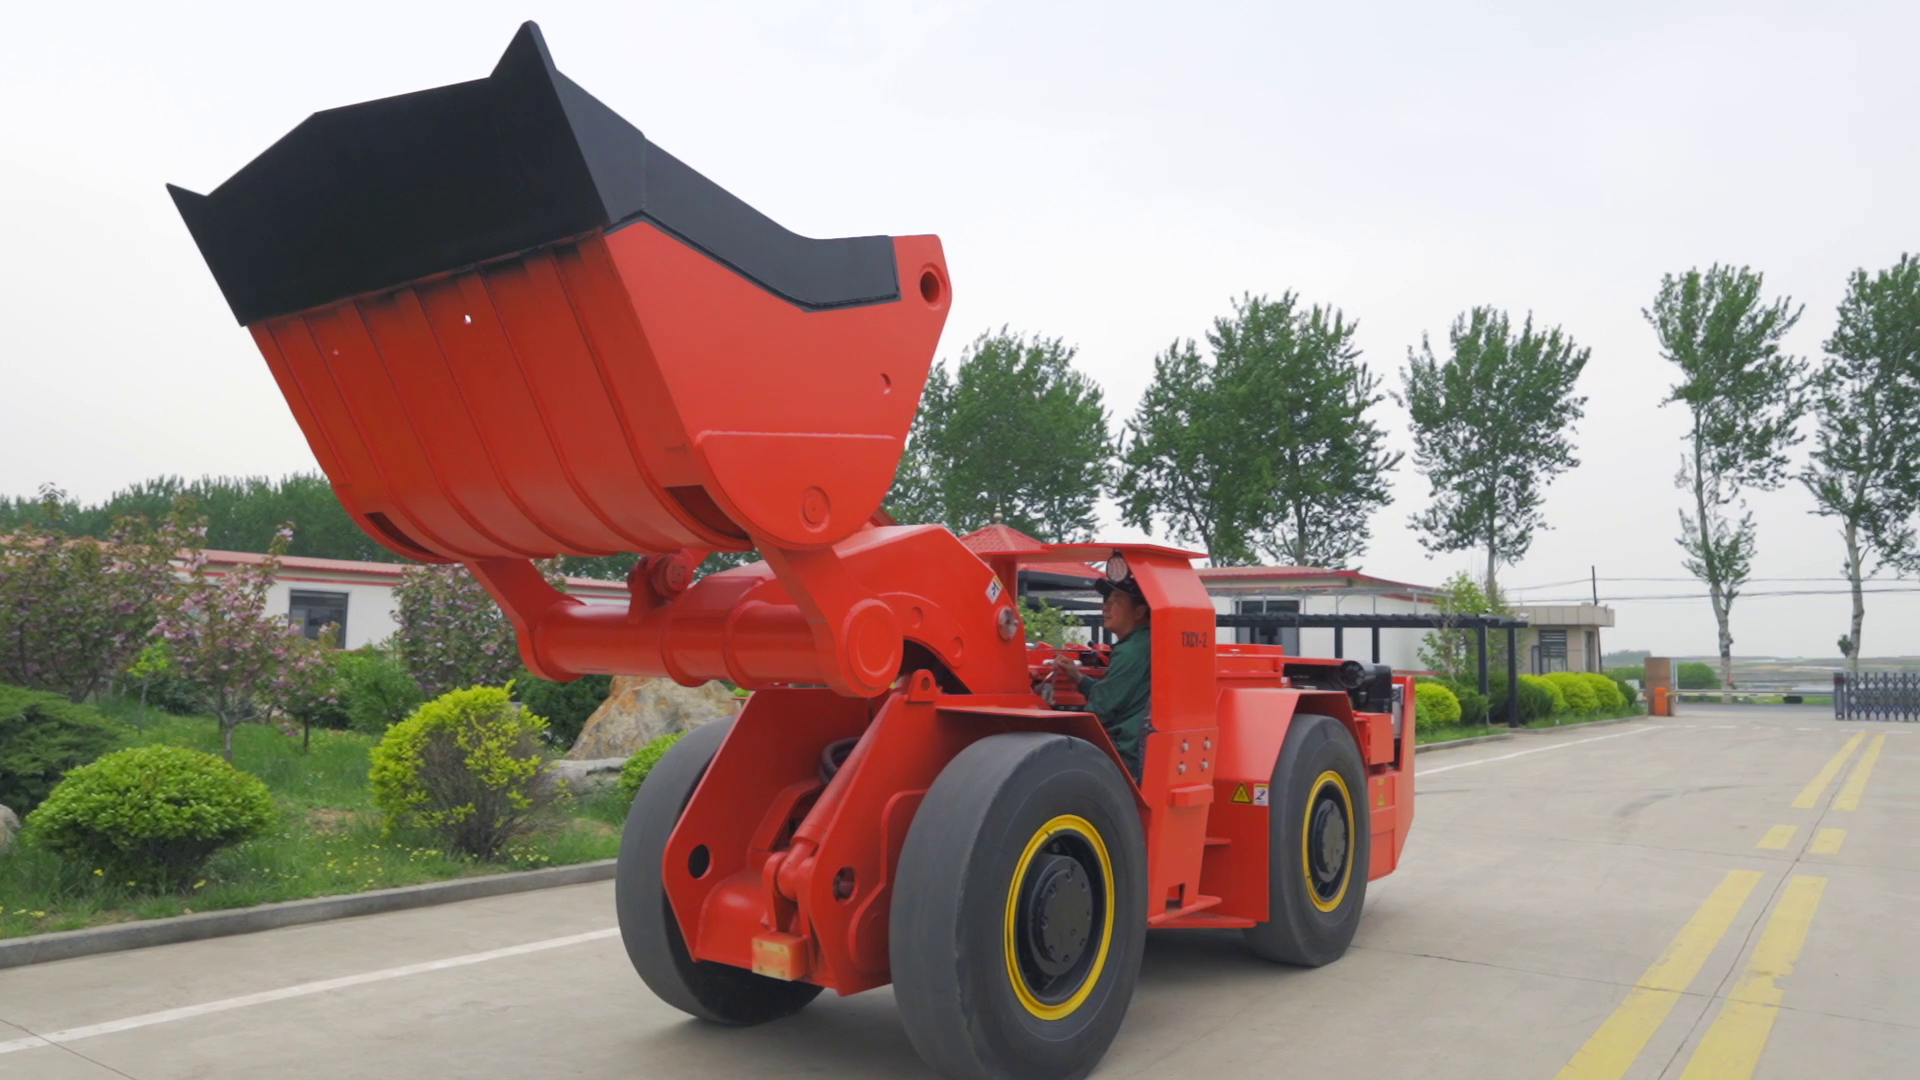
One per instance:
(1111, 174)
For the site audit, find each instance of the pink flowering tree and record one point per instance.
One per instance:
(76, 610)
(452, 634)
(246, 660)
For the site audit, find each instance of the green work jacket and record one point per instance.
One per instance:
(1123, 698)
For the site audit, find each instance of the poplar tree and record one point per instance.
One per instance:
(1493, 424)
(1743, 395)
(1865, 467)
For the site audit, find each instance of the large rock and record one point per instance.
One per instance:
(639, 710)
(586, 775)
(9, 824)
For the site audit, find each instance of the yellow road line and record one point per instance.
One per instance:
(1818, 786)
(1778, 837)
(1614, 1047)
(1828, 841)
(1849, 797)
(1732, 1046)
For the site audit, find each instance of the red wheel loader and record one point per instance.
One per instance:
(510, 327)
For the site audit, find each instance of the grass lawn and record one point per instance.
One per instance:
(328, 841)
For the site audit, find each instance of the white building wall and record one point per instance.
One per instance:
(372, 613)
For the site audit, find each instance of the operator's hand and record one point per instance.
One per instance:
(1066, 665)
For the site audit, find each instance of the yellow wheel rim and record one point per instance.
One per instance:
(1082, 830)
(1343, 800)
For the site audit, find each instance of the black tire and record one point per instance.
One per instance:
(1314, 911)
(1040, 998)
(720, 993)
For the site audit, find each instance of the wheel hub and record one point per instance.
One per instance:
(1330, 842)
(1059, 913)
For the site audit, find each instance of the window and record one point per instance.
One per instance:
(1287, 637)
(1550, 652)
(315, 611)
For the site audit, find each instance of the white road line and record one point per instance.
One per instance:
(187, 1012)
(1419, 772)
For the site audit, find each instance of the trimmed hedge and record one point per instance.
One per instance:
(151, 816)
(1538, 700)
(42, 736)
(1577, 692)
(1605, 690)
(1435, 706)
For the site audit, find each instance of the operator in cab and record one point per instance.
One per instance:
(1122, 698)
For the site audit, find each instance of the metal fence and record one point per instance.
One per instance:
(1877, 695)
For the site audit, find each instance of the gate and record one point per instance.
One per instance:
(1877, 695)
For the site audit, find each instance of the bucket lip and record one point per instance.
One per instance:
(370, 197)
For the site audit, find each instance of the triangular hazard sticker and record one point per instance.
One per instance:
(1240, 794)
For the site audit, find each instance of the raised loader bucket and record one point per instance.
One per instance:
(512, 327)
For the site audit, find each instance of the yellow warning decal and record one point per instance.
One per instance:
(1241, 795)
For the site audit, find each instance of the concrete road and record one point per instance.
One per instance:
(1730, 893)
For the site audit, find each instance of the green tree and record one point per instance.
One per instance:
(241, 513)
(75, 610)
(1189, 462)
(1265, 447)
(1865, 466)
(1046, 623)
(1492, 424)
(1308, 397)
(1014, 430)
(1455, 653)
(1743, 395)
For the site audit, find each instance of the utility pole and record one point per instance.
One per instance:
(1595, 572)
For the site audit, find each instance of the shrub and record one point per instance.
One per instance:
(634, 773)
(1435, 706)
(1473, 705)
(42, 735)
(1575, 691)
(1537, 701)
(1605, 690)
(151, 815)
(376, 692)
(1694, 675)
(1628, 694)
(466, 765)
(566, 705)
(1555, 695)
